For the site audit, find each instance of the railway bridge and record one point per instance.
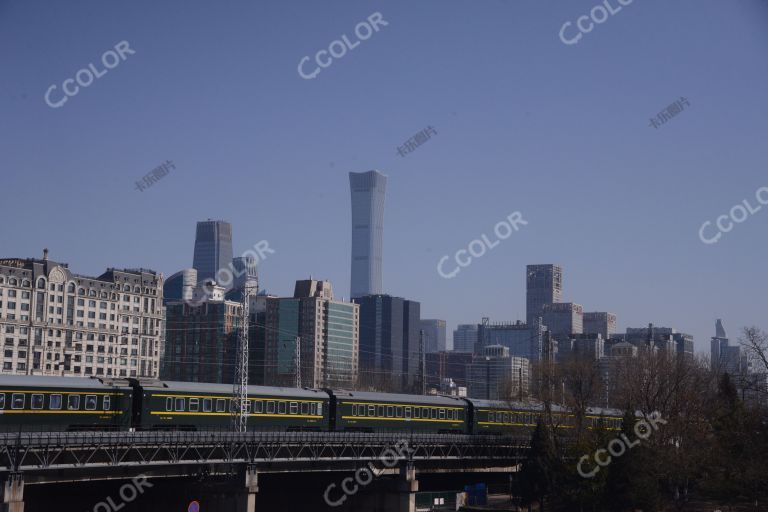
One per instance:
(390, 463)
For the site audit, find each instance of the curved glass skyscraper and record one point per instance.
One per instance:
(368, 190)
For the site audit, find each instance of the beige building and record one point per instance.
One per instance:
(54, 322)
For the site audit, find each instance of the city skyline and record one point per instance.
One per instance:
(245, 158)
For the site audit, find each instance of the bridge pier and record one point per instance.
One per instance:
(397, 494)
(246, 500)
(13, 493)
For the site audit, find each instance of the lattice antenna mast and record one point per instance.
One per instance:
(240, 387)
(297, 358)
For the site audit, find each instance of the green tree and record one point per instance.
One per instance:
(537, 475)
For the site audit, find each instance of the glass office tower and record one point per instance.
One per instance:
(368, 190)
(213, 249)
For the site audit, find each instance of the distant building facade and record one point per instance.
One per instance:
(368, 190)
(201, 341)
(447, 365)
(327, 331)
(600, 322)
(544, 285)
(55, 322)
(213, 249)
(726, 358)
(434, 335)
(390, 355)
(465, 338)
(180, 286)
(519, 338)
(564, 318)
(495, 375)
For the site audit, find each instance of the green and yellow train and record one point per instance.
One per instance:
(33, 403)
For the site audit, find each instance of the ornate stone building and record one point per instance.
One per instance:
(54, 322)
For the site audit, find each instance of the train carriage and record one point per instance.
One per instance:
(372, 412)
(172, 405)
(64, 403)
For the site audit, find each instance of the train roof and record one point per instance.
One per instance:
(395, 397)
(59, 382)
(226, 389)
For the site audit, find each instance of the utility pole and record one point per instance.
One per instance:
(297, 361)
(240, 388)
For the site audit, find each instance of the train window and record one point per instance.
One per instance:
(194, 404)
(442, 414)
(425, 413)
(371, 410)
(408, 412)
(73, 402)
(169, 404)
(90, 402)
(417, 412)
(390, 411)
(506, 417)
(207, 405)
(221, 405)
(294, 408)
(259, 406)
(304, 408)
(361, 410)
(17, 401)
(320, 409)
(271, 407)
(434, 414)
(37, 401)
(180, 404)
(248, 406)
(55, 402)
(313, 409)
(281, 407)
(398, 412)
(380, 411)
(354, 410)
(107, 402)
(2, 400)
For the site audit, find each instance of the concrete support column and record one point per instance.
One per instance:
(13, 493)
(246, 501)
(401, 496)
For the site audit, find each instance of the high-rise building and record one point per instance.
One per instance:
(662, 338)
(519, 338)
(563, 319)
(368, 190)
(327, 331)
(465, 338)
(55, 322)
(201, 341)
(544, 285)
(724, 357)
(213, 249)
(390, 356)
(600, 322)
(495, 375)
(434, 335)
(245, 275)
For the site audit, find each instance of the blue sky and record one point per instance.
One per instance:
(524, 123)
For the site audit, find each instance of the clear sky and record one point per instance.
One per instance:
(524, 123)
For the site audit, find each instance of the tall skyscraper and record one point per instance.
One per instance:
(434, 335)
(368, 190)
(213, 248)
(464, 338)
(544, 285)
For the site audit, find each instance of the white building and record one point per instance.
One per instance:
(54, 322)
